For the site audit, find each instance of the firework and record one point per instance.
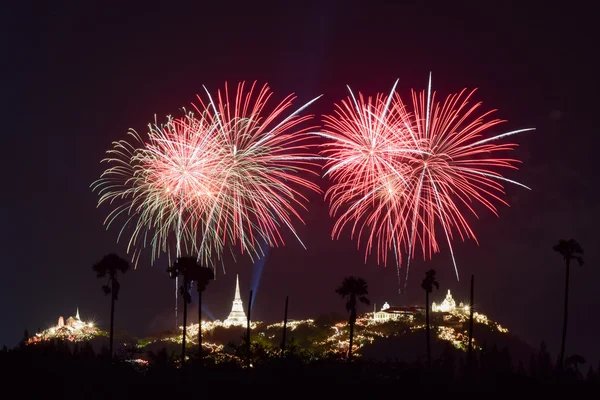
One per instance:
(399, 174)
(363, 161)
(152, 184)
(229, 175)
(262, 167)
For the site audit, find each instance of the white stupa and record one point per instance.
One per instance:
(237, 316)
(448, 305)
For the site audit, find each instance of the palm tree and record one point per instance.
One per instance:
(110, 265)
(202, 276)
(184, 267)
(353, 288)
(569, 250)
(574, 361)
(428, 283)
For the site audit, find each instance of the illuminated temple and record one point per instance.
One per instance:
(237, 316)
(73, 322)
(391, 313)
(448, 305)
(394, 313)
(73, 329)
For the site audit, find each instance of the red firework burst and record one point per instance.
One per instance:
(398, 174)
(230, 175)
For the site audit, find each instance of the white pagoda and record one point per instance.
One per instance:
(237, 316)
(449, 306)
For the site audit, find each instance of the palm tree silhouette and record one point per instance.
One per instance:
(574, 361)
(569, 250)
(110, 265)
(202, 276)
(353, 288)
(428, 283)
(184, 267)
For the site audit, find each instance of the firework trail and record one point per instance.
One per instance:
(400, 174)
(263, 159)
(161, 186)
(363, 161)
(230, 175)
(151, 184)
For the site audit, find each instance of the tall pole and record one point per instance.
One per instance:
(352, 322)
(178, 252)
(561, 356)
(248, 328)
(199, 322)
(184, 333)
(112, 316)
(427, 328)
(471, 307)
(284, 326)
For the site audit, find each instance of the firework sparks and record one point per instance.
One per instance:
(227, 176)
(398, 175)
(162, 185)
(369, 181)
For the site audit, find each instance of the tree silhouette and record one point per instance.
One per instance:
(570, 250)
(353, 289)
(544, 368)
(591, 377)
(574, 361)
(25, 338)
(202, 276)
(184, 267)
(110, 265)
(428, 283)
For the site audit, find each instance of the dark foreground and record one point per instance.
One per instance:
(58, 371)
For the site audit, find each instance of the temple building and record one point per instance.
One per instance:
(388, 313)
(449, 305)
(237, 316)
(73, 329)
(396, 313)
(73, 322)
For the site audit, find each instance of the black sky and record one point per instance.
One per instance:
(78, 76)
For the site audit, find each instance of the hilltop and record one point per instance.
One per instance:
(393, 333)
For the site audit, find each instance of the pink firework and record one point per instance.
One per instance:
(365, 161)
(231, 175)
(400, 175)
(264, 161)
(163, 185)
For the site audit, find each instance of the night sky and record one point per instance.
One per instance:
(78, 76)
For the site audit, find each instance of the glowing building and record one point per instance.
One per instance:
(388, 313)
(449, 305)
(73, 329)
(73, 322)
(237, 316)
(395, 313)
